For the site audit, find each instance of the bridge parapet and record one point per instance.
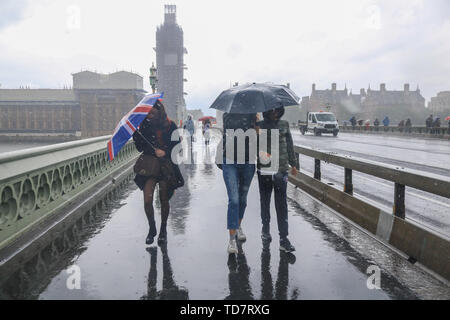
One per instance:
(422, 131)
(35, 183)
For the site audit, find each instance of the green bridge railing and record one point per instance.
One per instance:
(35, 183)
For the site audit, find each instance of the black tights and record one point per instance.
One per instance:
(149, 190)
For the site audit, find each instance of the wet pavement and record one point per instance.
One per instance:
(331, 260)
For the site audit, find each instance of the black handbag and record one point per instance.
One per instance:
(171, 173)
(147, 166)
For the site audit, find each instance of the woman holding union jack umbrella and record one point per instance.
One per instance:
(155, 166)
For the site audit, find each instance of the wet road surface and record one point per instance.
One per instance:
(331, 260)
(429, 156)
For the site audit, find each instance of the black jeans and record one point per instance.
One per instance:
(278, 183)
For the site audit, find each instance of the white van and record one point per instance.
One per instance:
(320, 122)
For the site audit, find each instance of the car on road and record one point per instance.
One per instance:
(320, 122)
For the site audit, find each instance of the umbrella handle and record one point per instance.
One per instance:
(150, 144)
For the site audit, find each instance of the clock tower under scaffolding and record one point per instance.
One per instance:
(170, 64)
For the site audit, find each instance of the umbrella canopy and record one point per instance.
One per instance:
(206, 118)
(448, 118)
(255, 97)
(129, 124)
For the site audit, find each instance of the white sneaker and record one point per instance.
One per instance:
(240, 235)
(232, 247)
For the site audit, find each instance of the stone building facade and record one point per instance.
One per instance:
(368, 104)
(170, 64)
(439, 106)
(92, 108)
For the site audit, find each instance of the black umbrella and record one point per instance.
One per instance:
(255, 97)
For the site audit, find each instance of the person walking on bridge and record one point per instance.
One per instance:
(237, 176)
(429, 123)
(276, 180)
(353, 122)
(401, 125)
(189, 126)
(153, 138)
(436, 125)
(386, 123)
(408, 125)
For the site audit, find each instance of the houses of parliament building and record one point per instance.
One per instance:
(93, 107)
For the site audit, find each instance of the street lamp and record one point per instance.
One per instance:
(152, 77)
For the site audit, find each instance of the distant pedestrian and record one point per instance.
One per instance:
(408, 125)
(353, 122)
(376, 124)
(386, 122)
(429, 123)
(277, 179)
(401, 125)
(189, 127)
(207, 131)
(436, 125)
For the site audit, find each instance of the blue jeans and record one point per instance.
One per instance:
(238, 178)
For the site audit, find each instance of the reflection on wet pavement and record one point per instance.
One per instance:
(169, 291)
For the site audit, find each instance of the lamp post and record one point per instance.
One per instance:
(152, 77)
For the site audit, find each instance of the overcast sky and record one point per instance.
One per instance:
(353, 42)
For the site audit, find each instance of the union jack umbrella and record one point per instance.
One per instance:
(129, 124)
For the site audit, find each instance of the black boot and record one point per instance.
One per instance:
(162, 238)
(151, 234)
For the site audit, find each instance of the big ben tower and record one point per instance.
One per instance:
(170, 64)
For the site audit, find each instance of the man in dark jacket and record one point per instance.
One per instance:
(436, 125)
(273, 177)
(429, 122)
(408, 125)
(353, 122)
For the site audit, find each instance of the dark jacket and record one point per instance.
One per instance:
(161, 140)
(239, 121)
(151, 134)
(285, 144)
